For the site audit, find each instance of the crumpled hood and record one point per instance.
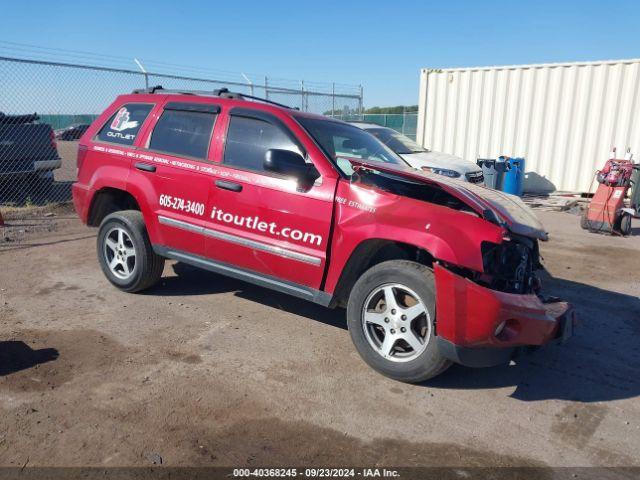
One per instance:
(509, 210)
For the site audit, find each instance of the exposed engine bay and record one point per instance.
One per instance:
(511, 266)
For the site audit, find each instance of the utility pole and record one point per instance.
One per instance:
(249, 82)
(333, 99)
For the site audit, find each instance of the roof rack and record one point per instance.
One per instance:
(220, 92)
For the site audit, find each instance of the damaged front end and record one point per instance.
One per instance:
(488, 299)
(485, 319)
(480, 327)
(511, 265)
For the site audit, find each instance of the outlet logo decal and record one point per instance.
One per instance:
(121, 121)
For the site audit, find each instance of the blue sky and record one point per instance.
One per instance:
(379, 44)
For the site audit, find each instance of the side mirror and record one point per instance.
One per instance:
(286, 162)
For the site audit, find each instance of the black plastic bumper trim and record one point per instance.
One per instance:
(475, 357)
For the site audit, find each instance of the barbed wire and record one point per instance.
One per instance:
(51, 54)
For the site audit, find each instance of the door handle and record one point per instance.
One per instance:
(227, 185)
(145, 167)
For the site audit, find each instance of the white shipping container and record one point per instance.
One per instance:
(564, 118)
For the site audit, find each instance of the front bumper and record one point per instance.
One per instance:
(469, 314)
(47, 165)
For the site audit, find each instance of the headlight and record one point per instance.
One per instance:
(442, 171)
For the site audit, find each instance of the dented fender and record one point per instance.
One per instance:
(363, 213)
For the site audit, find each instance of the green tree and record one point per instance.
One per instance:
(379, 110)
(391, 110)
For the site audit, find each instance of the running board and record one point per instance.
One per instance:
(267, 281)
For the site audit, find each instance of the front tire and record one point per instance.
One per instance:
(391, 319)
(125, 253)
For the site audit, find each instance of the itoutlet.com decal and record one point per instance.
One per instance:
(257, 224)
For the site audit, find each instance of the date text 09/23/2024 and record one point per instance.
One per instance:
(315, 472)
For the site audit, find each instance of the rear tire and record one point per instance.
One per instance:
(125, 253)
(625, 224)
(382, 321)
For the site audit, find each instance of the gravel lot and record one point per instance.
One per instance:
(68, 151)
(204, 370)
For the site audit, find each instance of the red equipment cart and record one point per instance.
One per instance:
(606, 211)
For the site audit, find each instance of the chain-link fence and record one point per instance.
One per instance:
(46, 106)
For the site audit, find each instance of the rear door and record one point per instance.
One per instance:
(172, 170)
(265, 222)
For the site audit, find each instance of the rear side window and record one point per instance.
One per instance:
(124, 125)
(248, 140)
(184, 132)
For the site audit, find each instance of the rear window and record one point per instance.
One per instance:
(184, 133)
(124, 125)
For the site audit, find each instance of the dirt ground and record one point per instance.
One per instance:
(205, 370)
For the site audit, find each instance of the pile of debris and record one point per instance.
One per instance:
(558, 202)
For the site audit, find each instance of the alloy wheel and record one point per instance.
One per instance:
(119, 253)
(396, 322)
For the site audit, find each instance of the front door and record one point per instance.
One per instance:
(261, 221)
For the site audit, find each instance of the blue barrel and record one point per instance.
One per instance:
(514, 176)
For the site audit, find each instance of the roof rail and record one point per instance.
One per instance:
(220, 92)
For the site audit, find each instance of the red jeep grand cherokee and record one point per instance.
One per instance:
(431, 270)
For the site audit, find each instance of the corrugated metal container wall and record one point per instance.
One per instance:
(563, 118)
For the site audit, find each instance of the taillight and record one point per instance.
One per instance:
(82, 152)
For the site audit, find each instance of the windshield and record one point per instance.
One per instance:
(342, 141)
(397, 142)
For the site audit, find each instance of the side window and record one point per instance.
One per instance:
(248, 140)
(343, 147)
(183, 132)
(124, 125)
(351, 147)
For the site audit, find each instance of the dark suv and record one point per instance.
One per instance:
(27, 149)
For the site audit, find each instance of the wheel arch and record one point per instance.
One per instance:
(108, 200)
(369, 253)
